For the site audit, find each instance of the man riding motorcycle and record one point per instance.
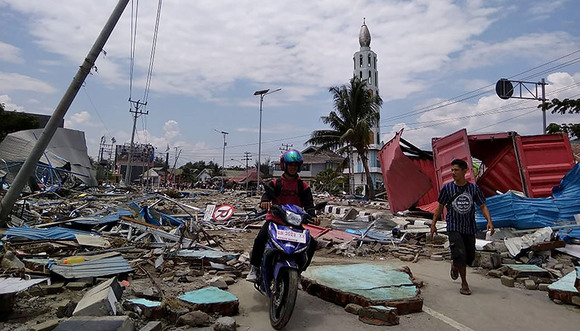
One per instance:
(288, 189)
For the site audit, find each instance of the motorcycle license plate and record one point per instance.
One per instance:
(288, 235)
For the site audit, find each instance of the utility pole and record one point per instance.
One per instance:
(136, 113)
(175, 164)
(56, 118)
(285, 147)
(223, 155)
(247, 157)
(261, 93)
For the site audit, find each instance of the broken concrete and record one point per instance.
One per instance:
(100, 300)
(225, 323)
(194, 319)
(566, 288)
(212, 300)
(365, 285)
(94, 323)
(44, 326)
(379, 315)
(152, 326)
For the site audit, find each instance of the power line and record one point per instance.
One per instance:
(487, 89)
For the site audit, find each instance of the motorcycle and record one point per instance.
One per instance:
(284, 259)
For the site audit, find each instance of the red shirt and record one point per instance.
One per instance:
(288, 194)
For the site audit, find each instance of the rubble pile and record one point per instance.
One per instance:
(167, 259)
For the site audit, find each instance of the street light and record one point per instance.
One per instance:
(223, 154)
(261, 93)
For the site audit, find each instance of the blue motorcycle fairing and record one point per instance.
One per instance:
(284, 264)
(287, 247)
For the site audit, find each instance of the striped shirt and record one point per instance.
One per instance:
(460, 203)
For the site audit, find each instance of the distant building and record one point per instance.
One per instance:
(142, 158)
(365, 68)
(314, 162)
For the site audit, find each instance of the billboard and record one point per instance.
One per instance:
(143, 154)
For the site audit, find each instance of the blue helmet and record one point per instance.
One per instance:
(290, 156)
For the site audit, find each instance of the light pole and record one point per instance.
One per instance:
(261, 93)
(223, 155)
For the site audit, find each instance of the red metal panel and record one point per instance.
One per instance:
(501, 171)
(502, 175)
(445, 150)
(428, 168)
(404, 182)
(545, 160)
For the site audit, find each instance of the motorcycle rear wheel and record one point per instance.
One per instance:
(283, 298)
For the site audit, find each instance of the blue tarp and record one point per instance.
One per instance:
(510, 210)
(102, 219)
(149, 218)
(56, 233)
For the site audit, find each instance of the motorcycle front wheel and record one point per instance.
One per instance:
(283, 297)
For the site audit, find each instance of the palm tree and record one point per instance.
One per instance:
(356, 110)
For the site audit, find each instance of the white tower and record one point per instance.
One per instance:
(365, 68)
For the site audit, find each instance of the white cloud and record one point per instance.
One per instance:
(301, 43)
(79, 120)
(9, 53)
(8, 105)
(18, 82)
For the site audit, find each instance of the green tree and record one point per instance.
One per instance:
(330, 180)
(356, 110)
(11, 121)
(562, 106)
(573, 130)
(569, 106)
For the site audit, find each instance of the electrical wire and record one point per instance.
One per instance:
(152, 54)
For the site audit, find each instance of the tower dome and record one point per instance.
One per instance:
(364, 37)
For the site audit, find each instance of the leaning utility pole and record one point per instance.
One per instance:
(58, 115)
(137, 112)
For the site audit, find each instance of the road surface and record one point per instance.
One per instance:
(492, 306)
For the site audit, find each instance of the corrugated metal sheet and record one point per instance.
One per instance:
(510, 210)
(102, 219)
(65, 146)
(546, 159)
(502, 171)
(15, 285)
(405, 183)
(445, 150)
(427, 167)
(56, 233)
(95, 268)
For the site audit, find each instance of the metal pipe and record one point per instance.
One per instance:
(58, 115)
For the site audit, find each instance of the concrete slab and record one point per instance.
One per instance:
(526, 270)
(93, 323)
(565, 289)
(151, 309)
(100, 300)
(212, 300)
(365, 285)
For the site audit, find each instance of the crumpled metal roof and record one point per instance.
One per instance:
(95, 268)
(65, 146)
(15, 285)
(510, 210)
(55, 233)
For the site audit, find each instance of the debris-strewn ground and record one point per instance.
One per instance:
(156, 247)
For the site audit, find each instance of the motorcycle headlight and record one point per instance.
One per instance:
(293, 219)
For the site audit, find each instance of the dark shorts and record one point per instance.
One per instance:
(462, 248)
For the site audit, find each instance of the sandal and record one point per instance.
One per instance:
(465, 291)
(454, 273)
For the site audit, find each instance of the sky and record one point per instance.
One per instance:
(438, 63)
